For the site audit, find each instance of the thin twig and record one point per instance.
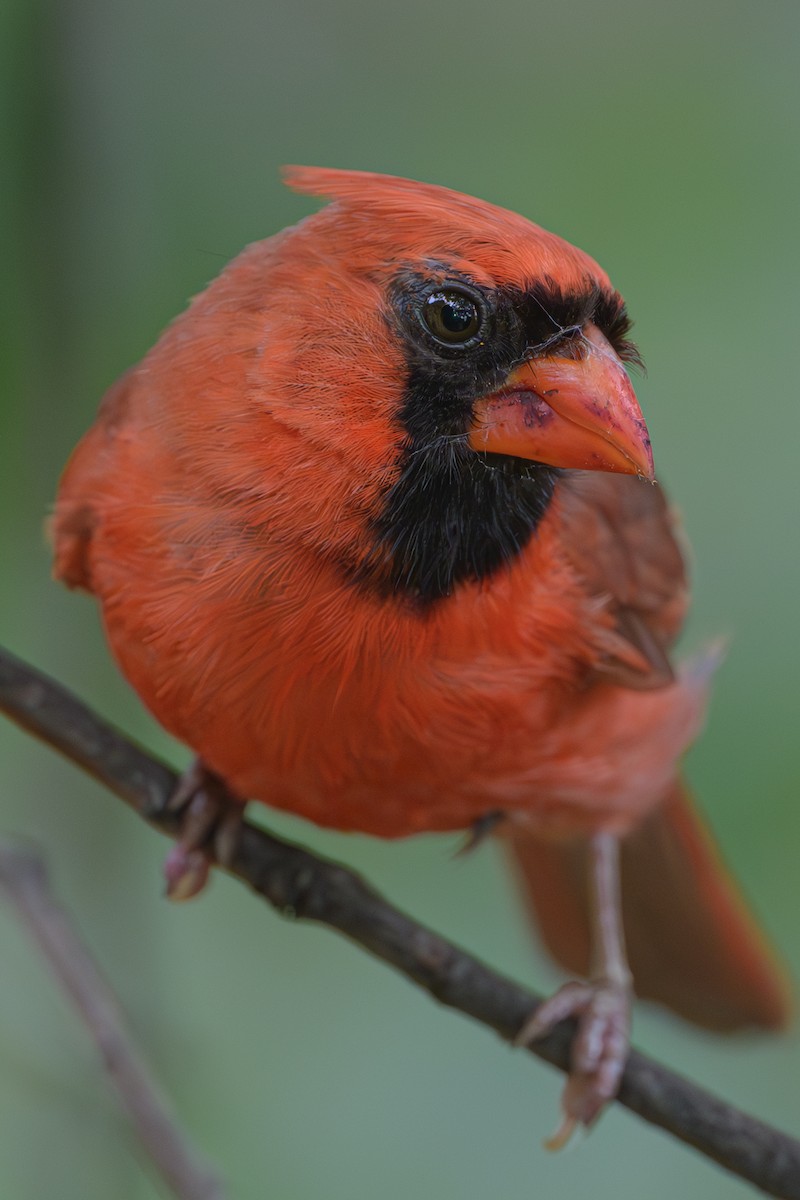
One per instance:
(23, 878)
(304, 885)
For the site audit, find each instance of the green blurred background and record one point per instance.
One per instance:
(140, 150)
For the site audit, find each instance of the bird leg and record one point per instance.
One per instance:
(210, 819)
(602, 1006)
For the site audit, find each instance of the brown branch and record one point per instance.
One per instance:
(24, 880)
(297, 882)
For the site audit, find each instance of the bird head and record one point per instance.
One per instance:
(445, 360)
(522, 328)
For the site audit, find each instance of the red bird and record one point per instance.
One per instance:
(373, 530)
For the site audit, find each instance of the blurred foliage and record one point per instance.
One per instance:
(140, 146)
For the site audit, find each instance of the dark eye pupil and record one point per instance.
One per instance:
(456, 318)
(451, 317)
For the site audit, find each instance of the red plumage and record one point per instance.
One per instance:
(224, 507)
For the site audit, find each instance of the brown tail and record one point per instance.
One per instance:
(692, 943)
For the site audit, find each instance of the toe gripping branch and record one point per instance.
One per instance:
(601, 1006)
(210, 822)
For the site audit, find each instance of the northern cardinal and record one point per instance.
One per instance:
(373, 530)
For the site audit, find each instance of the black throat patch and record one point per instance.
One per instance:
(454, 514)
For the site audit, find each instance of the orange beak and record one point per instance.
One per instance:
(578, 413)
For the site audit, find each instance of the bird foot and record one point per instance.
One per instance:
(210, 819)
(599, 1051)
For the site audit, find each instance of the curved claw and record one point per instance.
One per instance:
(186, 872)
(599, 1049)
(563, 1135)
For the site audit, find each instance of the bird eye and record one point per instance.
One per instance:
(452, 317)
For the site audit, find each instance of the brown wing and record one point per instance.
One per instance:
(79, 495)
(692, 943)
(622, 538)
